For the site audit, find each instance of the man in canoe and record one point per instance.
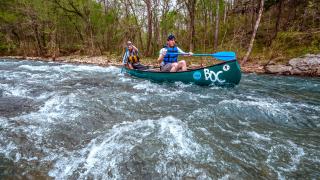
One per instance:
(131, 58)
(169, 57)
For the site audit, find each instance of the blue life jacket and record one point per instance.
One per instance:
(170, 58)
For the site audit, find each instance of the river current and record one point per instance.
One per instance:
(66, 121)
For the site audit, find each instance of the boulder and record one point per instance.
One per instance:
(307, 65)
(278, 69)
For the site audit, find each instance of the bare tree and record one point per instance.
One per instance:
(216, 33)
(137, 24)
(156, 27)
(149, 36)
(245, 58)
(253, 12)
(276, 29)
(191, 10)
(225, 13)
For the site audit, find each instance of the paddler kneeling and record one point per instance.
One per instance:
(131, 58)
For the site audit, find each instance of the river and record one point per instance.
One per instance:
(67, 121)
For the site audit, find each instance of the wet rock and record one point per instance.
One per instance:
(308, 65)
(253, 68)
(278, 69)
(13, 106)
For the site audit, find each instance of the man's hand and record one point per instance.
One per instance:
(190, 54)
(164, 52)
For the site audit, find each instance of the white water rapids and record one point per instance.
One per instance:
(66, 121)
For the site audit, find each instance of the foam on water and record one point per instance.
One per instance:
(91, 68)
(149, 87)
(266, 110)
(69, 68)
(270, 108)
(35, 68)
(290, 152)
(182, 85)
(14, 91)
(55, 110)
(159, 89)
(126, 144)
(258, 136)
(137, 98)
(8, 149)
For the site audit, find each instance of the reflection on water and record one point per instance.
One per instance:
(81, 121)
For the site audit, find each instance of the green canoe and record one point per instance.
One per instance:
(223, 74)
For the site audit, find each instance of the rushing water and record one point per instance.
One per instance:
(68, 121)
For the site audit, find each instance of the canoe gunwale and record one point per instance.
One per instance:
(201, 68)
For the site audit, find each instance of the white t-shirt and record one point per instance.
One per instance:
(163, 51)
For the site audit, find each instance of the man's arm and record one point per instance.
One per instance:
(130, 65)
(163, 52)
(125, 58)
(135, 48)
(160, 58)
(182, 52)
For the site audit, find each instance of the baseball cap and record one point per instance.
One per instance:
(171, 37)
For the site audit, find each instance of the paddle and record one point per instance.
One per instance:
(223, 56)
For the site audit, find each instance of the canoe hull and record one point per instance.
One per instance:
(226, 73)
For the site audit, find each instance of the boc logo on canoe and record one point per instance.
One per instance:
(214, 76)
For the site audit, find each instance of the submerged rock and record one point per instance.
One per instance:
(13, 106)
(308, 65)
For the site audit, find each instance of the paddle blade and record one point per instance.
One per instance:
(225, 55)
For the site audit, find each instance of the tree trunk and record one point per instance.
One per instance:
(205, 28)
(156, 29)
(216, 34)
(191, 9)
(253, 12)
(276, 29)
(38, 39)
(245, 58)
(165, 10)
(105, 4)
(53, 37)
(225, 12)
(149, 36)
(137, 24)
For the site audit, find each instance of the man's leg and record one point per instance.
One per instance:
(174, 67)
(182, 65)
(139, 66)
(166, 68)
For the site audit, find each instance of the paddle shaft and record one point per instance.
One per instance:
(223, 56)
(214, 55)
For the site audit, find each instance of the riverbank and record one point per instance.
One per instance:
(250, 67)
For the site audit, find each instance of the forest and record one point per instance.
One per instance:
(257, 30)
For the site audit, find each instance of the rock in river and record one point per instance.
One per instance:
(13, 106)
(308, 65)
